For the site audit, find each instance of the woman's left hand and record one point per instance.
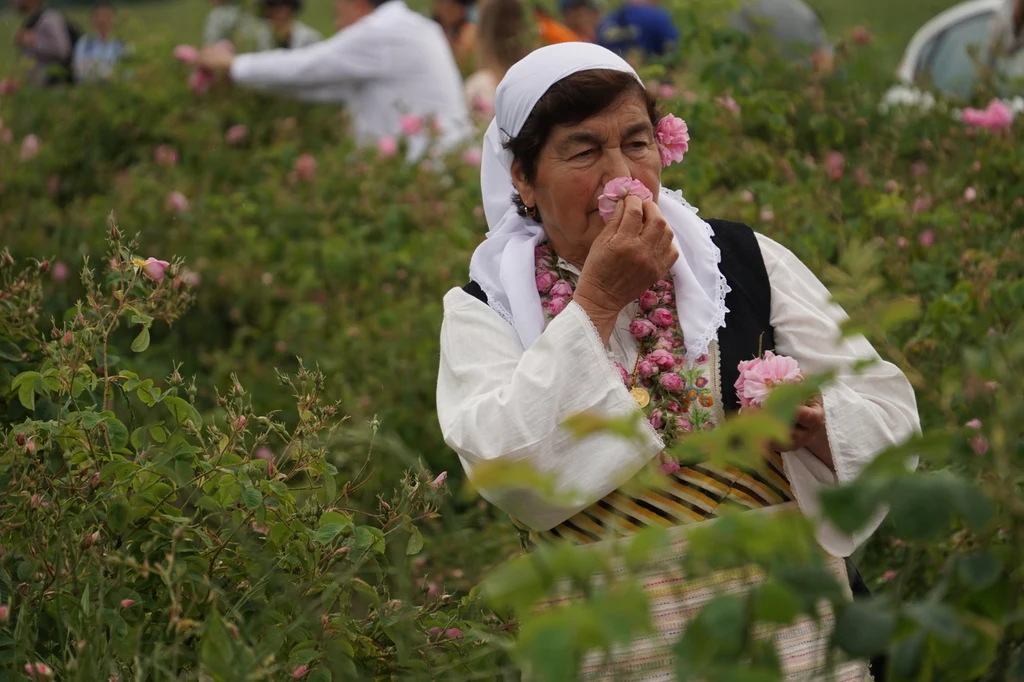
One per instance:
(809, 432)
(217, 58)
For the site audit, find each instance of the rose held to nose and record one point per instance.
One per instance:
(618, 189)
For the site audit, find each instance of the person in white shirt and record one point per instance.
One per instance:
(648, 316)
(386, 62)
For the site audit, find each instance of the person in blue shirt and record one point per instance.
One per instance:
(97, 54)
(639, 26)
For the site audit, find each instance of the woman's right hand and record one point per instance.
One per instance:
(633, 252)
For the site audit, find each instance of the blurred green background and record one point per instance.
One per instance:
(892, 22)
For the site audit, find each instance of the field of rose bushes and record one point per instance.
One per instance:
(218, 352)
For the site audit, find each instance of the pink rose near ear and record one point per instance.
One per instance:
(176, 202)
(305, 168)
(154, 268)
(759, 376)
(29, 147)
(673, 139)
(236, 134)
(387, 147)
(411, 124)
(186, 54)
(618, 189)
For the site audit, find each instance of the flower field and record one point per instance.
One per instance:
(218, 356)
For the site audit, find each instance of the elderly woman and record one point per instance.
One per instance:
(554, 323)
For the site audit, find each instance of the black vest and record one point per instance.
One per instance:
(748, 327)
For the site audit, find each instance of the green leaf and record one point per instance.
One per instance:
(415, 542)
(115, 468)
(919, 507)
(970, 502)
(158, 433)
(85, 603)
(319, 675)
(10, 352)
(334, 517)
(368, 537)
(850, 507)
(181, 410)
(775, 603)
(329, 532)
(979, 571)
(27, 396)
(117, 515)
(303, 656)
(91, 419)
(863, 628)
(936, 618)
(141, 341)
(253, 498)
(279, 534)
(118, 434)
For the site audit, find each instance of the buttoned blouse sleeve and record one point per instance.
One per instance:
(866, 411)
(497, 402)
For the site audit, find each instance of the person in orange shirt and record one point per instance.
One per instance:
(551, 30)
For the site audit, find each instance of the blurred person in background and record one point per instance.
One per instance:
(283, 30)
(581, 17)
(456, 18)
(792, 25)
(639, 26)
(47, 40)
(97, 54)
(390, 66)
(227, 21)
(551, 30)
(1008, 29)
(503, 40)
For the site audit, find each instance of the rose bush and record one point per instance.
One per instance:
(269, 237)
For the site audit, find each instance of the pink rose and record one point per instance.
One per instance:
(186, 54)
(641, 328)
(996, 117)
(387, 147)
(411, 124)
(889, 576)
(767, 214)
(453, 633)
(673, 406)
(921, 204)
(647, 369)
(561, 288)
(200, 81)
(154, 268)
(927, 238)
(834, 164)
(37, 671)
(747, 196)
(434, 632)
(973, 424)
(471, 157)
(165, 155)
(673, 383)
(622, 372)
(648, 300)
(545, 281)
(60, 271)
(618, 189)
(236, 134)
(29, 147)
(187, 278)
(439, 481)
(127, 603)
(682, 424)
(176, 202)
(662, 358)
(655, 419)
(901, 242)
(669, 467)
(5, 613)
(300, 672)
(661, 317)
(759, 376)
(729, 104)
(970, 194)
(979, 444)
(673, 139)
(860, 36)
(305, 167)
(558, 304)
(9, 86)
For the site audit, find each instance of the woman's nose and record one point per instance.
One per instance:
(615, 165)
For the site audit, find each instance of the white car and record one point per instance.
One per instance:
(939, 57)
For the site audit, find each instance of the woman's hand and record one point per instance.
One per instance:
(633, 252)
(809, 432)
(217, 58)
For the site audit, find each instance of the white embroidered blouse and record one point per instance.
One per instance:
(496, 401)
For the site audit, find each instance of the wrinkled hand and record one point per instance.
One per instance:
(217, 58)
(809, 432)
(633, 252)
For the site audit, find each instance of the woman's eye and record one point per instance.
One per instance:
(639, 144)
(583, 155)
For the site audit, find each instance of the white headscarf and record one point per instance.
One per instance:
(503, 265)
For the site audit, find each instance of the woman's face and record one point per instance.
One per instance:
(575, 164)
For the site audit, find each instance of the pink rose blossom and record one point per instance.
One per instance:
(545, 281)
(236, 134)
(387, 147)
(767, 214)
(38, 671)
(834, 165)
(673, 383)
(666, 91)
(641, 328)
(921, 204)
(655, 419)
(434, 632)
(996, 117)
(973, 424)
(453, 633)
(154, 268)
(558, 304)
(29, 147)
(673, 139)
(747, 196)
(300, 672)
(165, 155)
(918, 168)
(186, 54)
(618, 189)
(927, 238)
(187, 278)
(471, 157)
(305, 167)
(60, 271)
(411, 124)
(127, 603)
(673, 406)
(622, 372)
(439, 481)
(9, 86)
(729, 104)
(759, 376)
(200, 81)
(979, 444)
(970, 194)
(662, 358)
(889, 576)
(861, 36)
(561, 288)
(669, 467)
(661, 317)
(682, 424)
(176, 202)
(647, 369)
(648, 300)
(901, 242)
(5, 613)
